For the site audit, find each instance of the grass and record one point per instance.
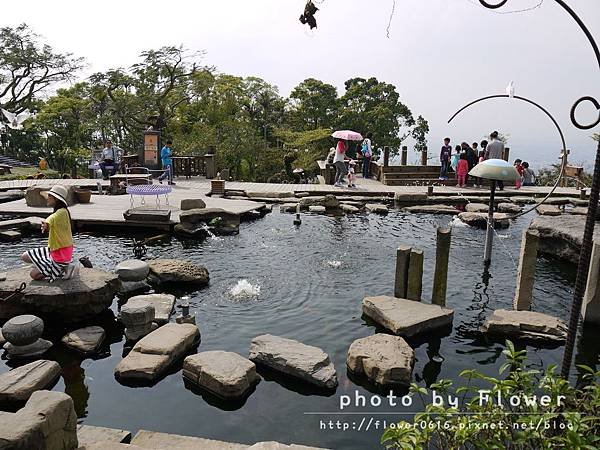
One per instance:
(20, 173)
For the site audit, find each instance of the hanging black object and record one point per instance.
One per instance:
(309, 15)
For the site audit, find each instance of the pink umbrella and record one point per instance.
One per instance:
(348, 135)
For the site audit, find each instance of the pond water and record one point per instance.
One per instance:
(304, 283)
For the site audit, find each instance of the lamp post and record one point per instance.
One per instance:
(588, 234)
(494, 170)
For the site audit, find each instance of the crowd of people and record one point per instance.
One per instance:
(345, 165)
(465, 157)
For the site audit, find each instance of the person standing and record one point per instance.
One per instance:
(166, 155)
(367, 153)
(528, 175)
(338, 162)
(445, 155)
(109, 160)
(471, 157)
(455, 158)
(462, 170)
(495, 150)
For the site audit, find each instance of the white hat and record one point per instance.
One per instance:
(58, 192)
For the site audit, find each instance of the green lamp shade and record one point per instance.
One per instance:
(495, 169)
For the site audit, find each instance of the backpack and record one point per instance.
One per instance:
(365, 149)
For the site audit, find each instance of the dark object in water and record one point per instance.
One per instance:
(139, 248)
(309, 15)
(85, 262)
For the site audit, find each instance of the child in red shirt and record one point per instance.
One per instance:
(519, 166)
(461, 170)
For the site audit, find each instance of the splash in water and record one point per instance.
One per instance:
(456, 222)
(334, 263)
(245, 289)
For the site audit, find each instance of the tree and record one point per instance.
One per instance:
(419, 134)
(28, 68)
(314, 105)
(374, 106)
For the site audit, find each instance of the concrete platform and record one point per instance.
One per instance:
(88, 435)
(525, 325)
(406, 318)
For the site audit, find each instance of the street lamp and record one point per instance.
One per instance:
(494, 170)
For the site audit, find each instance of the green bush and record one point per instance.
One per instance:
(570, 424)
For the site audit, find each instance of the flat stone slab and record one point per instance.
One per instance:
(317, 209)
(479, 219)
(382, 358)
(476, 207)
(132, 270)
(133, 287)
(225, 374)
(523, 200)
(406, 317)
(376, 208)
(18, 384)
(288, 207)
(163, 305)
(509, 208)
(10, 236)
(431, 209)
(71, 300)
(558, 201)
(307, 363)
(561, 236)
(549, 210)
(177, 271)
(85, 340)
(160, 441)
(89, 435)
(349, 209)
(526, 324)
(154, 353)
(27, 223)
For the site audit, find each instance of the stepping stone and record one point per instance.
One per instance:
(133, 287)
(526, 325)
(376, 208)
(137, 316)
(23, 330)
(154, 353)
(349, 209)
(89, 435)
(382, 358)
(10, 236)
(2, 338)
(477, 207)
(288, 208)
(225, 374)
(192, 203)
(70, 301)
(18, 384)
(523, 200)
(549, 210)
(176, 271)
(406, 317)
(509, 208)
(132, 270)
(310, 364)
(85, 340)
(317, 209)
(163, 305)
(479, 220)
(558, 201)
(431, 209)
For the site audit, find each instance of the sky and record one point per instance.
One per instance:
(440, 54)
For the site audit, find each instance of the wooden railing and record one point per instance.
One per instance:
(188, 166)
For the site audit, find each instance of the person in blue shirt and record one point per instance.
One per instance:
(167, 163)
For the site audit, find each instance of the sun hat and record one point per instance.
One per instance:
(58, 192)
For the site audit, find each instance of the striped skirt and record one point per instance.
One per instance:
(41, 259)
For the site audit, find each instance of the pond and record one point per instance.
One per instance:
(305, 283)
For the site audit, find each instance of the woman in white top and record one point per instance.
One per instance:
(338, 162)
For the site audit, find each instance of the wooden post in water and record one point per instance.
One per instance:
(440, 276)
(404, 159)
(526, 270)
(386, 156)
(402, 263)
(415, 275)
(424, 156)
(583, 193)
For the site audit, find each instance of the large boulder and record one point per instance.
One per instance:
(132, 270)
(177, 271)
(33, 196)
(382, 358)
(406, 317)
(48, 421)
(192, 203)
(525, 325)
(307, 363)
(84, 340)
(328, 201)
(210, 216)
(73, 300)
(18, 384)
(154, 353)
(225, 374)
(23, 330)
(561, 236)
